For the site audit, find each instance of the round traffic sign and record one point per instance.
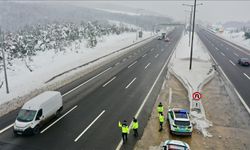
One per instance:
(197, 96)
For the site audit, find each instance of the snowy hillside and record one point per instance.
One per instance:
(30, 70)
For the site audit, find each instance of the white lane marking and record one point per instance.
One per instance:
(144, 55)
(124, 59)
(109, 82)
(151, 49)
(6, 128)
(236, 54)
(242, 101)
(156, 55)
(58, 119)
(227, 48)
(132, 64)
(87, 81)
(147, 65)
(162, 50)
(146, 98)
(216, 48)
(222, 54)
(117, 63)
(130, 83)
(79, 136)
(246, 76)
(232, 62)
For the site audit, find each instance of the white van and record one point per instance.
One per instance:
(37, 111)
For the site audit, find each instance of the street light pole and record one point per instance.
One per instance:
(4, 64)
(192, 42)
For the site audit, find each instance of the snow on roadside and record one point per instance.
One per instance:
(49, 64)
(193, 79)
(236, 37)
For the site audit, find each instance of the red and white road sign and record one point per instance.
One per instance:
(197, 96)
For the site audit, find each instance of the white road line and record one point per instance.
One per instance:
(6, 128)
(232, 62)
(162, 50)
(216, 48)
(86, 81)
(58, 119)
(79, 136)
(132, 64)
(147, 65)
(156, 55)
(222, 54)
(117, 63)
(109, 81)
(151, 49)
(227, 48)
(130, 83)
(144, 55)
(124, 59)
(246, 76)
(145, 99)
(236, 54)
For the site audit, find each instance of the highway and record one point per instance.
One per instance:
(226, 55)
(96, 102)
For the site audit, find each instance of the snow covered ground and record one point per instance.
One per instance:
(48, 64)
(193, 79)
(236, 37)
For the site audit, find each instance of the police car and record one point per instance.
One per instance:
(175, 145)
(179, 122)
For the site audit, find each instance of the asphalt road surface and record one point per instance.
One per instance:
(95, 103)
(227, 54)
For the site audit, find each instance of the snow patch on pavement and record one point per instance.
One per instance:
(194, 79)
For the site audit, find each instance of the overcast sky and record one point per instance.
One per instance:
(211, 11)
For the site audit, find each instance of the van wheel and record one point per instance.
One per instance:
(36, 130)
(58, 112)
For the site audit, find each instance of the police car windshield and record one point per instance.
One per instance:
(26, 115)
(181, 123)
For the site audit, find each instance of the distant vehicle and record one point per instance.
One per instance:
(159, 38)
(37, 111)
(179, 122)
(167, 39)
(244, 61)
(175, 145)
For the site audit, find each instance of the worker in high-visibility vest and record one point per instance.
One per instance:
(161, 120)
(125, 130)
(160, 108)
(135, 126)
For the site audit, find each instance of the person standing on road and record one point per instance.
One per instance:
(161, 120)
(160, 108)
(135, 126)
(125, 130)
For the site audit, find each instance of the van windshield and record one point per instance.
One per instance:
(26, 115)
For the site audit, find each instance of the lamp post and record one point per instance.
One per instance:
(193, 8)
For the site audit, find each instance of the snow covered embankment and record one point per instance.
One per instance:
(25, 84)
(237, 38)
(193, 79)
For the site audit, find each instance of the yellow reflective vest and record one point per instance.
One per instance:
(161, 118)
(125, 128)
(135, 125)
(160, 109)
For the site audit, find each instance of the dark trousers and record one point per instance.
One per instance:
(160, 126)
(135, 132)
(124, 137)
